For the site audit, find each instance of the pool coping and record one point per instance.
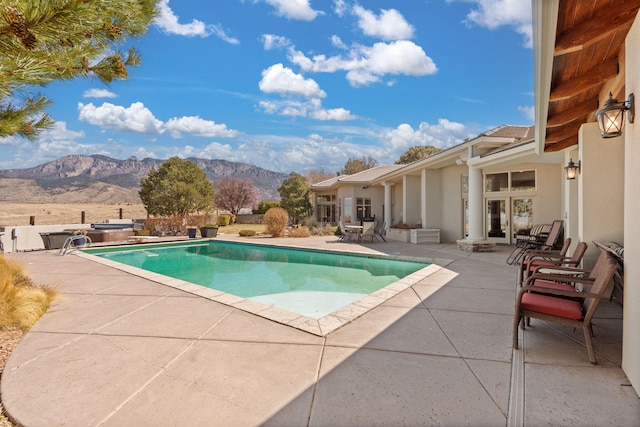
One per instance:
(320, 327)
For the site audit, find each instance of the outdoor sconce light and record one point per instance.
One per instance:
(572, 169)
(611, 116)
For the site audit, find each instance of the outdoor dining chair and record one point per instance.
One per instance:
(531, 261)
(565, 299)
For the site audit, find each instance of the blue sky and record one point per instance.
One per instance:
(299, 85)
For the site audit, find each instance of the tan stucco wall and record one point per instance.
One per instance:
(433, 194)
(452, 216)
(411, 209)
(631, 326)
(600, 190)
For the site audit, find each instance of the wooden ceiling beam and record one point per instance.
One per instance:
(560, 133)
(561, 145)
(589, 79)
(619, 16)
(576, 112)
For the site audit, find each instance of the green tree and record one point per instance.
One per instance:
(294, 196)
(264, 206)
(46, 40)
(416, 153)
(177, 187)
(358, 165)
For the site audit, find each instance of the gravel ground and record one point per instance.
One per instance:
(9, 339)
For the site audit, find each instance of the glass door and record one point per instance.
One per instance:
(521, 214)
(497, 220)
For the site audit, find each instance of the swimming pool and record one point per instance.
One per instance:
(310, 283)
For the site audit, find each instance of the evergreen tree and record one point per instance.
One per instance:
(294, 196)
(177, 187)
(46, 40)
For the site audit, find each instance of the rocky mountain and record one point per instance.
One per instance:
(97, 178)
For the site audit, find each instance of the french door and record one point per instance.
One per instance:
(505, 216)
(497, 220)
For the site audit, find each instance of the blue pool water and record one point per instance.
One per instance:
(308, 282)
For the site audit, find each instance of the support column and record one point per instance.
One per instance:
(423, 198)
(475, 242)
(387, 204)
(475, 204)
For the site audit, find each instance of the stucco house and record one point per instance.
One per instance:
(482, 190)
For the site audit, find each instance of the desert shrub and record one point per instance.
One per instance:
(161, 225)
(247, 233)
(276, 220)
(143, 232)
(302, 231)
(310, 221)
(22, 303)
(226, 219)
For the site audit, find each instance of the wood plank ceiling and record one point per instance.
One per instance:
(587, 59)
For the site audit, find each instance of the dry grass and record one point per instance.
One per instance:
(21, 304)
(13, 214)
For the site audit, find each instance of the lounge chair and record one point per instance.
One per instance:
(565, 299)
(542, 241)
(531, 262)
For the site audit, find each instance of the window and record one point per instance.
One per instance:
(496, 182)
(348, 205)
(523, 181)
(510, 181)
(363, 208)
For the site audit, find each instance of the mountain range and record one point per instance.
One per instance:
(101, 179)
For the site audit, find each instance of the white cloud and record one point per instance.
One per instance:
(339, 7)
(294, 9)
(337, 42)
(495, 13)
(198, 127)
(282, 80)
(139, 119)
(272, 41)
(168, 22)
(389, 25)
(136, 118)
(444, 134)
(98, 93)
(528, 112)
(332, 114)
(366, 65)
(311, 108)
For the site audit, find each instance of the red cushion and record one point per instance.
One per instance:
(553, 285)
(560, 307)
(539, 263)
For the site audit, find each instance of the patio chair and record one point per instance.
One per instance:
(368, 230)
(530, 261)
(564, 301)
(380, 230)
(542, 241)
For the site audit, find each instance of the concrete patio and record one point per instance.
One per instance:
(117, 349)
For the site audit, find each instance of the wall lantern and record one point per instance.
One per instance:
(572, 169)
(611, 116)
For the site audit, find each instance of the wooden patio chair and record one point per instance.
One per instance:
(543, 241)
(564, 301)
(531, 261)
